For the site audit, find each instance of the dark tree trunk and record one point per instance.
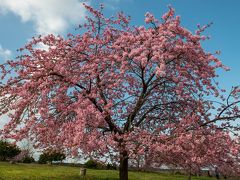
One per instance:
(190, 175)
(138, 163)
(123, 169)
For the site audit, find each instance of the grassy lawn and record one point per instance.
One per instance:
(38, 172)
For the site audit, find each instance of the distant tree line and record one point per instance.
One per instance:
(12, 153)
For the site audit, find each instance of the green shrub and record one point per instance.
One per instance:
(91, 164)
(111, 166)
(28, 159)
(50, 156)
(43, 159)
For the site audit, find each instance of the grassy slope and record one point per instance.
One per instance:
(35, 171)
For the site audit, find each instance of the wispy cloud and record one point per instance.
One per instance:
(114, 4)
(5, 53)
(111, 4)
(48, 16)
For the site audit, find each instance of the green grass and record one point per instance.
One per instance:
(52, 172)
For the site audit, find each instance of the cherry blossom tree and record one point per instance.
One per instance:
(202, 148)
(116, 89)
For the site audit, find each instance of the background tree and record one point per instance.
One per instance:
(24, 157)
(27, 152)
(8, 150)
(50, 156)
(114, 87)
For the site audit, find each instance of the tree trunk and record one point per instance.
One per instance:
(123, 169)
(190, 176)
(138, 163)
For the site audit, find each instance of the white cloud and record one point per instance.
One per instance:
(114, 4)
(111, 4)
(5, 53)
(48, 16)
(42, 46)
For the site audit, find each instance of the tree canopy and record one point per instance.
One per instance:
(8, 150)
(120, 91)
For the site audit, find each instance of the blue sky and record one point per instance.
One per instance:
(20, 20)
